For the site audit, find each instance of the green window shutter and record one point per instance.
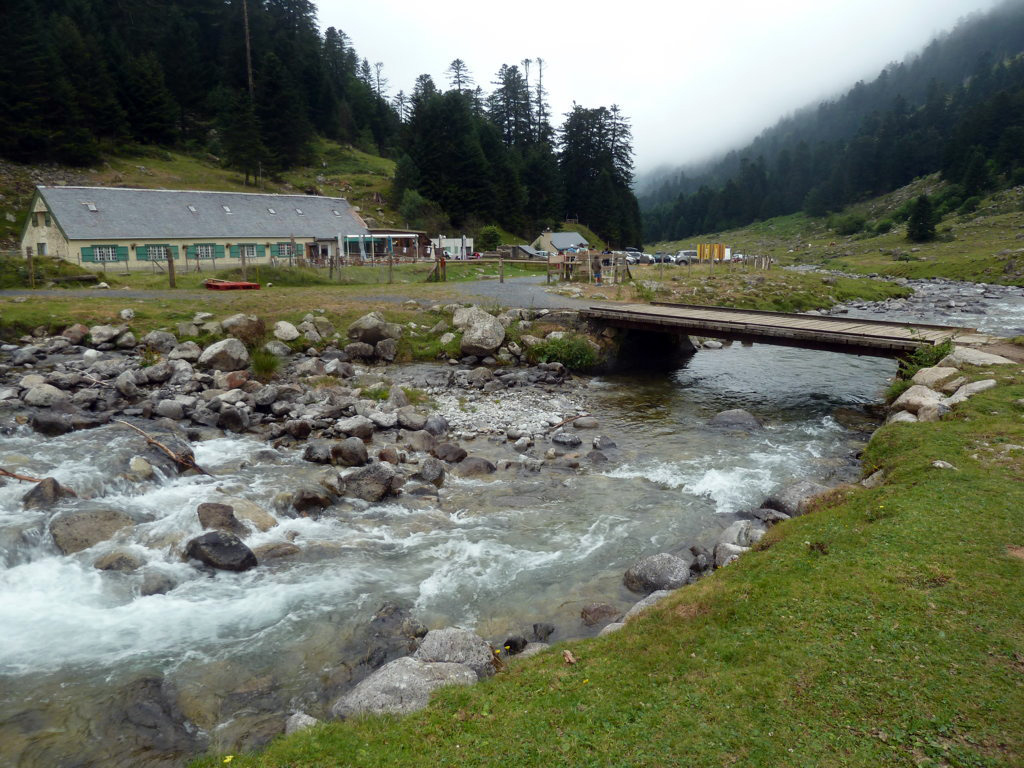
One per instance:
(236, 252)
(190, 252)
(141, 253)
(122, 253)
(261, 251)
(87, 254)
(174, 251)
(275, 249)
(218, 251)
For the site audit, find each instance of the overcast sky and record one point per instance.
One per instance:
(695, 78)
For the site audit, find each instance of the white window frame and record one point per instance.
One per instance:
(104, 253)
(205, 250)
(158, 252)
(284, 250)
(247, 251)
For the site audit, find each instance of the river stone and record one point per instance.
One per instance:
(187, 350)
(225, 355)
(45, 395)
(102, 334)
(250, 512)
(725, 553)
(242, 326)
(233, 419)
(458, 646)
(299, 721)
(661, 571)
(356, 426)
(170, 409)
(221, 550)
(359, 350)
(794, 500)
(159, 341)
(125, 384)
(401, 687)
(277, 348)
(311, 501)
(932, 413)
(736, 418)
(80, 530)
(769, 516)
(372, 482)
(473, 466)
(902, 417)
(608, 629)
(75, 333)
(372, 327)
(968, 356)
(595, 613)
(484, 335)
(743, 533)
(411, 419)
(219, 517)
(386, 350)
(450, 452)
(647, 602)
(566, 439)
(432, 471)
(119, 560)
(45, 494)
(51, 423)
(420, 440)
(350, 452)
(968, 390)
(383, 420)
(397, 397)
(915, 397)
(276, 549)
(436, 425)
(586, 422)
(934, 376)
(285, 331)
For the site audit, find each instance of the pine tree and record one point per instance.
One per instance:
(151, 109)
(921, 224)
(240, 127)
(459, 76)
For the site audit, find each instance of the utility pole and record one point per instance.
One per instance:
(248, 50)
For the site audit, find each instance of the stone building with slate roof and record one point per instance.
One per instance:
(135, 227)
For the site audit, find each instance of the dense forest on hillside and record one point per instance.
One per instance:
(253, 82)
(957, 107)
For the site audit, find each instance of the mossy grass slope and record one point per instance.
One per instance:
(884, 629)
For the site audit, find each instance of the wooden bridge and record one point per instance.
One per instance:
(881, 338)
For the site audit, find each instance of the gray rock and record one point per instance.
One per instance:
(75, 333)
(743, 533)
(45, 494)
(726, 553)
(183, 373)
(450, 452)
(350, 452)
(386, 349)
(126, 340)
(219, 517)
(277, 349)
(285, 331)
(125, 384)
(251, 512)
(914, 398)
(397, 397)
(119, 560)
(474, 466)
(458, 646)
(657, 572)
(371, 328)
(158, 373)
(608, 629)
(586, 422)
(233, 419)
(356, 426)
(420, 440)
(966, 391)
(359, 350)
(432, 471)
(566, 439)
(102, 334)
(372, 482)
(220, 550)
(44, 396)
(647, 602)
(795, 499)
(80, 530)
(242, 326)
(436, 425)
(51, 423)
(187, 350)
(968, 356)
(159, 341)
(736, 418)
(482, 336)
(411, 419)
(299, 721)
(902, 417)
(401, 687)
(934, 376)
(170, 409)
(188, 329)
(595, 613)
(225, 355)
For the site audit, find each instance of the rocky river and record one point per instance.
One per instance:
(508, 501)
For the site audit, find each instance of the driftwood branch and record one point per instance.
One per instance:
(567, 421)
(24, 478)
(181, 460)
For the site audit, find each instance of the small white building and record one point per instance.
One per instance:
(454, 247)
(135, 227)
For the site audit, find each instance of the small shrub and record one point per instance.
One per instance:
(884, 226)
(923, 357)
(850, 224)
(897, 388)
(970, 205)
(416, 396)
(573, 351)
(264, 364)
(148, 357)
(379, 392)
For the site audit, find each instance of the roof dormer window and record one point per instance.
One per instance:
(335, 211)
(271, 211)
(227, 209)
(193, 209)
(91, 207)
(299, 211)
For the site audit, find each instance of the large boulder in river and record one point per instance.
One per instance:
(219, 517)
(45, 494)
(373, 482)
(221, 550)
(661, 571)
(81, 530)
(483, 334)
(969, 356)
(371, 328)
(400, 687)
(225, 355)
(795, 499)
(736, 418)
(459, 646)
(159, 341)
(915, 398)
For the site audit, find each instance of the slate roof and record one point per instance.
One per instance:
(562, 240)
(529, 251)
(159, 213)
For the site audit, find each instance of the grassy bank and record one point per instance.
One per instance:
(982, 245)
(884, 629)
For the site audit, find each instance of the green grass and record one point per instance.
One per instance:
(884, 629)
(14, 272)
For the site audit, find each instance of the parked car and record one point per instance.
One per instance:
(686, 257)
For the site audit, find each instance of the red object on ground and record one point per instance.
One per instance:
(214, 284)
